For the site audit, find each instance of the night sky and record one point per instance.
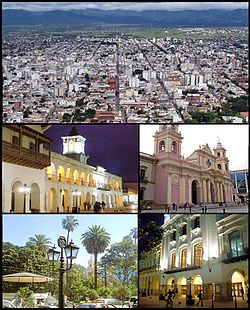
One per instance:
(113, 147)
(144, 218)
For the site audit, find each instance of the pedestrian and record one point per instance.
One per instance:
(242, 292)
(200, 299)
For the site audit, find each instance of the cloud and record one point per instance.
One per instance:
(137, 6)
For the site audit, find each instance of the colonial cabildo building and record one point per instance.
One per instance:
(167, 177)
(35, 179)
(199, 252)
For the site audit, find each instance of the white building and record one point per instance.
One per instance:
(199, 252)
(38, 180)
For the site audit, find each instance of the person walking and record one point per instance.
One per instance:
(200, 299)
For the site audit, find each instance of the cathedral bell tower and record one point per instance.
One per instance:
(221, 161)
(167, 142)
(74, 146)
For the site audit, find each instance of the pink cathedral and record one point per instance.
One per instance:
(166, 177)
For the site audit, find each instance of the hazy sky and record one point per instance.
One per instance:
(118, 226)
(171, 6)
(234, 138)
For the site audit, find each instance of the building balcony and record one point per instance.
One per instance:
(144, 180)
(104, 187)
(152, 267)
(18, 155)
(228, 257)
(176, 269)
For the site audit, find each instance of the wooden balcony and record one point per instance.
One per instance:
(18, 155)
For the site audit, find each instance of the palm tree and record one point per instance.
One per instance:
(96, 239)
(41, 242)
(69, 224)
(133, 234)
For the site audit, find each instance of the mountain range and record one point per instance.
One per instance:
(153, 18)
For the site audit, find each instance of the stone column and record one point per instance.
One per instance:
(182, 190)
(169, 198)
(221, 191)
(209, 192)
(204, 190)
(189, 197)
(218, 192)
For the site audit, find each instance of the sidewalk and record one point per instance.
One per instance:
(154, 302)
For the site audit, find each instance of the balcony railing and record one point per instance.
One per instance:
(228, 257)
(15, 154)
(182, 269)
(104, 187)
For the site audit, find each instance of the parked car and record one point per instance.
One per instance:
(110, 301)
(8, 304)
(92, 305)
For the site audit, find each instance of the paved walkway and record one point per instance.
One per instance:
(153, 302)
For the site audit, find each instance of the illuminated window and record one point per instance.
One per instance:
(184, 258)
(173, 258)
(162, 146)
(236, 246)
(198, 254)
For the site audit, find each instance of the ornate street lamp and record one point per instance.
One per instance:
(189, 297)
(25, 190)
(71, 252)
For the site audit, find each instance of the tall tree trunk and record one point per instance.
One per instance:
(95, 270)
(66, 278)
(105, 276)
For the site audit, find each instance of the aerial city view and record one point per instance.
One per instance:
(144, 62)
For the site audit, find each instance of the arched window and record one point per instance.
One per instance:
(218, 154)
(236, 245)
(15, 140)
(162, 146)
(184, 258)
(198, 254)
(219, 166)
(174, 146)
(173, 258)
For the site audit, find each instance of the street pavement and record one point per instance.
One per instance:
(154, 302)
(211, 208)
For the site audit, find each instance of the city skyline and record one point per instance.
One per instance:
(196, 135)
(51, 226)
(137, 6)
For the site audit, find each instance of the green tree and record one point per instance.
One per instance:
(69, 224)
(41, 241)
(122, 292)
(122, 256)
(151, 235)
(134, 234)
(26, 296)
(96, 239)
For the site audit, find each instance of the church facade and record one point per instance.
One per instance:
(167, 177)
(35, 179)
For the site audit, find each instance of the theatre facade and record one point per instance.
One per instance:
(167, 177)
(198, 252)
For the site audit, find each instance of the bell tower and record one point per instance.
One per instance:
(167, 142)
(74, 146)
(221, 161)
